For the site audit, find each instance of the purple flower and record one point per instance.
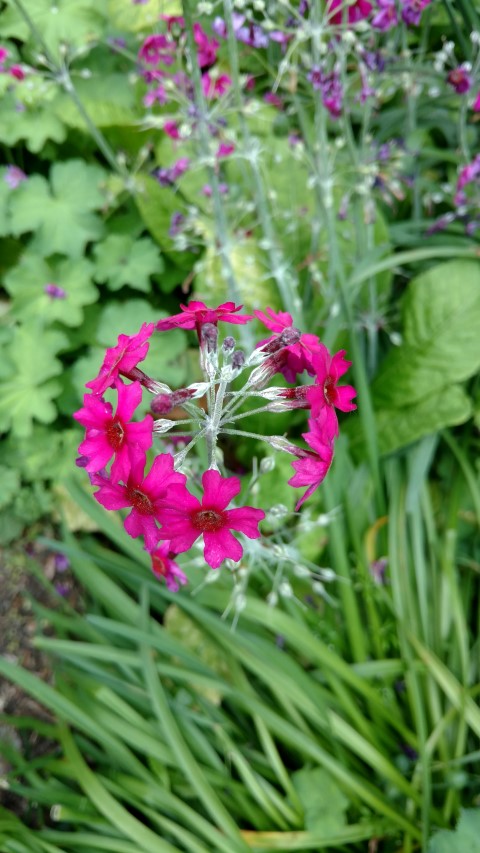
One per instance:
(386, 17)
(460, 79)
(54, 291)
(14, 177)
(61, 561)
(176, 223)
(412, 11)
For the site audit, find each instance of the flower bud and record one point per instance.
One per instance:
(162, 404)
(238, 360)
(267, 464)
(228, 345)
(209, 335)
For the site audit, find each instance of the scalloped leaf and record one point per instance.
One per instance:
(26, 114)
(74, 22)
(26, 285)
(60, 212)
(127, 16)
(464, 839)
(27, 394)
(121, 260)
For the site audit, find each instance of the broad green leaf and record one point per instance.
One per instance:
(28, 394)
(75, 22)
(125, 15)
(465, 838)
(26, 114)
(106, 98)
(441, 346)
(121, 260)
(60, 213)
(26, 285)
(156, 206)
(124, 318)
(397, 427)
(323, 802)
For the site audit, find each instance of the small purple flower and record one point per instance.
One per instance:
(54, 291)
(377, 570)
(14, 177)
(62, 563)
(176, 223)
(412, 11)
(386, 17)
(460, 79)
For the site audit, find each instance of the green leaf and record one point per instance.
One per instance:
(74, 22)
(397, 427)
(34, 122)
(465, 838)
(106, 99)
(26, 282)
(60, 213)
(156, 206)
(124, 318)
(249, 265)
(441, 345)
(28, 394)
(122, 260)
(323, 802)
(124, 15)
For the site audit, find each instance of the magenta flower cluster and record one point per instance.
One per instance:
(117, 445)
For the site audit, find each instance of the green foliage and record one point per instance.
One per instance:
(27, 115)
(465, 838)
(27, 393)
(417, 390)
(60, 214)
(121, 260)
(323, 801)
(74, 22)
(26, 282)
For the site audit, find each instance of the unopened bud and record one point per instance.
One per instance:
(278, 442)
(162, 425)
(289, 336)
(209, 335)
(238, 360)
(267, 464)
(162, 404)
(228, 345)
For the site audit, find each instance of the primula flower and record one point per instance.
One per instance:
(224, 150)
(468, 174)
(158, 94)
(325, 395)
(296, 356)
(185, 519)
(195, 314)
(207, 48)
(386, 17)
(357, 11)
(171, 129)
(312, 466)
(147, 495)
(215, 87)
(109, 434)
(157, 48)
(122, 359)
(476, 104)
(163, 566)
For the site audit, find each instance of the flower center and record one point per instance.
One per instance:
(159, 566)
(115, 433)
(140, 501)
(329, 390)
(208, 520)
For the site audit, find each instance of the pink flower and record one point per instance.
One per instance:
(325, 395)
(195, 314)
(356, 12)
(296, 356)
(122, 359)
(145, 494)
(173, 20)
(215, 87)
(109, 434)
(224, 150)
(158, 94)
(17, 72)
(187, 519)
(460, 79)
(476, 104)
(171, 129)
(387, 17)
(157, 48)
(207, 49)
(4, 54)
(312, 467)
(164, 567)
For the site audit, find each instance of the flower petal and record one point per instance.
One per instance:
(246, 519)
(219, 546)
(218, 490)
